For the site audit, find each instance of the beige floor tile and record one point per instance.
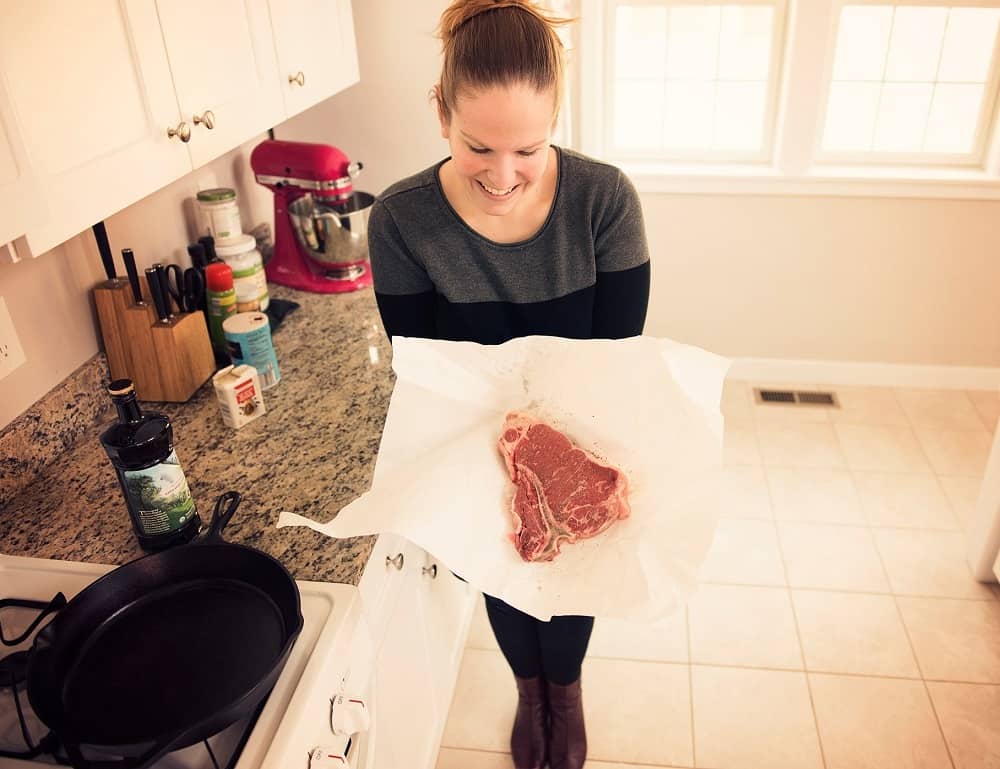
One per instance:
(831, 557)
(482, 709)
(939, 409)
(744, 493)
(953, 452)
(853, 633)
(457, 758)
(954, 640)
(736, 399)
(907, 500)
(661, 642)
(867, 405)
(480, 633)
(753, 718)
(744, 553)
(970, 717)
(637, 712)
(876, 723)
(748, 626)
(987, 404)
(739, 443)
(799, 445)
(886, 448)
(962, 493)
(814, 495)
(928, 563)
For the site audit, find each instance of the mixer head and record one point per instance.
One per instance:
(295, 168)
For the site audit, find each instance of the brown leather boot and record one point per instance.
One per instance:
(527, 740)
(567, 736)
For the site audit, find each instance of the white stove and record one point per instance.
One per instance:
(326, 684)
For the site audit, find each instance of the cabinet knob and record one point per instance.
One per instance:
(299, 78)
(397, 561)
(207, 118)
(183, 132)
(432, 570)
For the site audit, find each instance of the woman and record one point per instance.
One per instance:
(511, 236)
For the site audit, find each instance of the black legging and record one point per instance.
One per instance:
(553, 649)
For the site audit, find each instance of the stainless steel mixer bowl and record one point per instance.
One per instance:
(333, 235)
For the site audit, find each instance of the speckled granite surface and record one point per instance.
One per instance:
(312, 453)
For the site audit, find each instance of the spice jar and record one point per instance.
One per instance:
(248, 273)
(221, 213)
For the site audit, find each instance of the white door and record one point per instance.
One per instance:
(317, 54)
(90, 88)
(983, 535)
(223, 69)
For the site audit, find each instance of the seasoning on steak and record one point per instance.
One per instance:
(564, 493)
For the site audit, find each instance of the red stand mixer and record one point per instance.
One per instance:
(320, 222)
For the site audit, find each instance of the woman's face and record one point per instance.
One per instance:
(499, 139)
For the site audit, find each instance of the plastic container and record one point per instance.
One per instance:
(221, 214)
(220, 301)
(248, 272)
(248, 335)
(239, 393)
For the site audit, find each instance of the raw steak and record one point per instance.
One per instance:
(564, 494)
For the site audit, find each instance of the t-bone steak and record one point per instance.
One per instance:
(564, 493)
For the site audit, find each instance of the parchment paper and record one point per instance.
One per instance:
(648, 406)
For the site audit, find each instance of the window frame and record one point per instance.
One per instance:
(795, 163)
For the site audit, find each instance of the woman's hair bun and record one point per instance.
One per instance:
(461, 11)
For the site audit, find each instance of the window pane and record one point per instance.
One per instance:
(689, 108)
(915, 44)
(968, 44)
(862, 42)
(640, 42)
(739, 115)
(638, 120)
(954, 112)
(850, 117)
(745, 50)
(693, 42)
(902, 116)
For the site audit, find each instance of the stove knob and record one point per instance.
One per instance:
(349, 715)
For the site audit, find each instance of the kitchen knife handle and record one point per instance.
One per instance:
(133, 274)
(101, 236)
(156, 291)
(161, 276)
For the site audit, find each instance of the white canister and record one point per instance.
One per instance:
(248, 272)
(221, 213)
(239, 393)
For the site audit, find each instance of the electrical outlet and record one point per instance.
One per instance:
(11, 353)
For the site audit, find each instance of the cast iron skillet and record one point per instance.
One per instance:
(165, 651)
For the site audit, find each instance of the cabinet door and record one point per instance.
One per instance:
(317, 54)
(20, 201)
(406, 716)
(222, 62)
(90, 88)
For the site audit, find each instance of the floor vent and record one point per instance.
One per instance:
(796, 398)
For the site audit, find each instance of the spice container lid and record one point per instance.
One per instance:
(218, 277)
(216, 195)
(238, 244)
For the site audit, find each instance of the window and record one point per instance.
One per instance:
(824, 96)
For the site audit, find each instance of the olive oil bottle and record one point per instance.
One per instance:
(156, 492)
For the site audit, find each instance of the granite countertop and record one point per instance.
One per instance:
(312, 453)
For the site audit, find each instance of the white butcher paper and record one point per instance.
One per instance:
(645, 405)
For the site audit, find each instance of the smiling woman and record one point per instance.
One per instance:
(512, 236)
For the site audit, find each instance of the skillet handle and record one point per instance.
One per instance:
(225, 506)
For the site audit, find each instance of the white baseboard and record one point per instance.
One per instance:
(825, 372)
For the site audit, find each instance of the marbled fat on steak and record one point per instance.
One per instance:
(564, 493)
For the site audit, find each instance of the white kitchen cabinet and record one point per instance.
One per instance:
(316, 49)
(108, 101)
(419, 625)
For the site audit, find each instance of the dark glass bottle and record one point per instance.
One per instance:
(141, 448)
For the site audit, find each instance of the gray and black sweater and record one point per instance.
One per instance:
(584, 275)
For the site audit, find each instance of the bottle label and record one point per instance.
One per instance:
(160, 496)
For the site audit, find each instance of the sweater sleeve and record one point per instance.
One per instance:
(404, 293)
(623, 270)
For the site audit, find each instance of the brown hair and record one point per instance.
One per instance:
(498, 42)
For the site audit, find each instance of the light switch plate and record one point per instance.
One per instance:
(11, 353)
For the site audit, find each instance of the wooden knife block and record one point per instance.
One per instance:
(166, 361)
